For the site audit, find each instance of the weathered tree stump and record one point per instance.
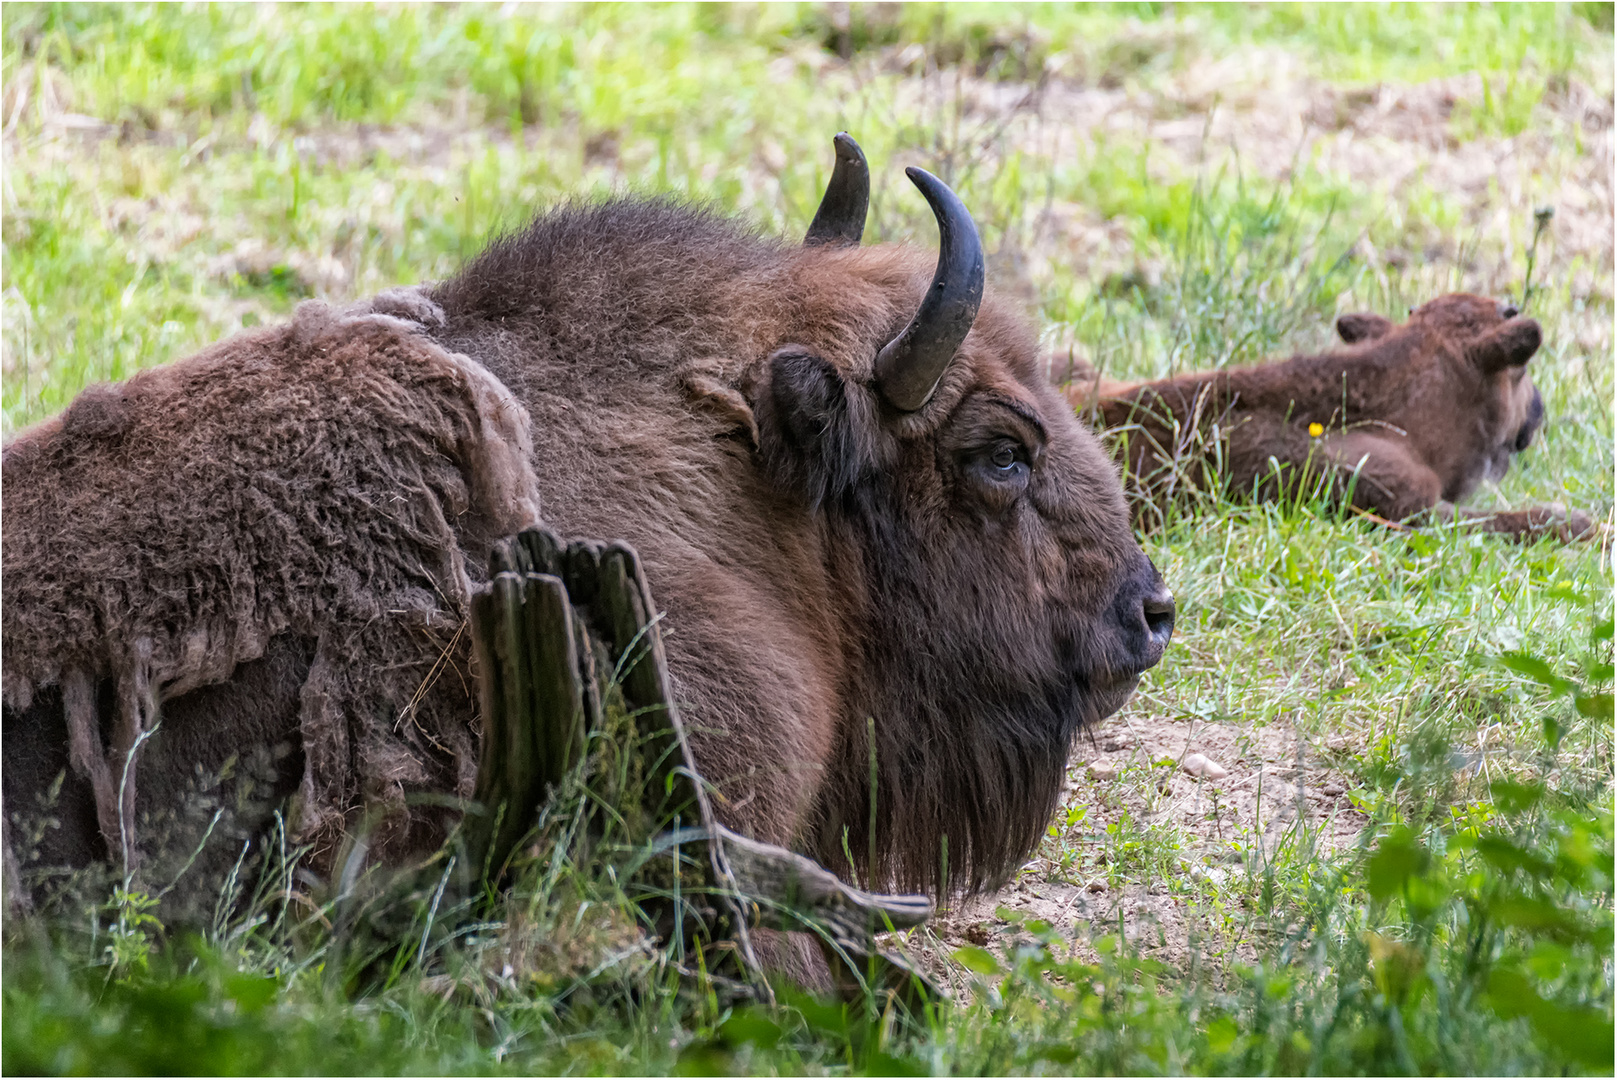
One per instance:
(565, 632)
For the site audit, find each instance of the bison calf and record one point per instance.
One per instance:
(1403, 423)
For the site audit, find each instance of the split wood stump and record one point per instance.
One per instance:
(566, 634)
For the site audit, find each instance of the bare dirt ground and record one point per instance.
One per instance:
(1278, 788)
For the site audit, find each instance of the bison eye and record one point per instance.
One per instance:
(998, 472)
(1005, 463)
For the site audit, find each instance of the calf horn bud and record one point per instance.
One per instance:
(908, 367)
(840, 219)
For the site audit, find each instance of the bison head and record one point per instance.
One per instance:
(994, 599)
(860, 502)
(1478, 351)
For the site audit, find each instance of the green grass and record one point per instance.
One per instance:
(175, 173)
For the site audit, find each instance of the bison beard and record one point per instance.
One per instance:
(955, 572)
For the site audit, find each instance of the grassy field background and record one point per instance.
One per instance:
(1409, 865)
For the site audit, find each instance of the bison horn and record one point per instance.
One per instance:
(841, 217)
(908, 367)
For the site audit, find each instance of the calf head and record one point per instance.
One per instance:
(1474, 351)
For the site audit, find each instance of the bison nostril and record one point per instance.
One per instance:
(1159, 615)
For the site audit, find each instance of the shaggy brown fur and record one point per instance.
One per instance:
(962, 577)
(826, 562)
(270, 542)
(1403, 423)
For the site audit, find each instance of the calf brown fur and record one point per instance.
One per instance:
(1403, 423)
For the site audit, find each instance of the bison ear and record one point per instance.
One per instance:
(1361, 326)
(806, 435)
(1510, 344)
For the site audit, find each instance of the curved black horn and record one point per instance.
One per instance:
(841, 216)
(908, 367)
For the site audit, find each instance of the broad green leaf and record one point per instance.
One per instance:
(980, 961)
(1396, 859)
(1535, 669)
(1508, 857)
(1221, 1035)
(1513, 798)
(1594, 706)
(750, 1026)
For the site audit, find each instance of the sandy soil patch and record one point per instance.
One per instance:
(1279, 789)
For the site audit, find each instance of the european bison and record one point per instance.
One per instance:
(1403, 423)
(847, 478)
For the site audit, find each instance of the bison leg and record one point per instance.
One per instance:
(1385, 480)
(88, 756)
(137, 720)
(1535, 523)
(1378, 475)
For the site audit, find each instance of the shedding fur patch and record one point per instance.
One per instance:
(339, 477)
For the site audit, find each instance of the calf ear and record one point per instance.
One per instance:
(1510, 344)
(807, 435)
(1362, 326)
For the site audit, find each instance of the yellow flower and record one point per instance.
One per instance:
(1316, 430)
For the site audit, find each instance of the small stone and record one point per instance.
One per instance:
(1096, 886)
(1101, 769)
(1334, 789)
(1203, 766)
